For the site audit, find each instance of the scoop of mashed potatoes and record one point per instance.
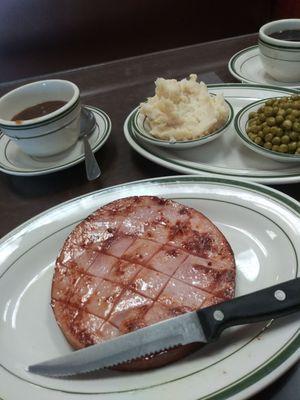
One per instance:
(183, 110)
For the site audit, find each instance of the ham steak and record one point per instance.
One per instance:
(134, 262)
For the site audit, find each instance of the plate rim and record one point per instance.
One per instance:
(70, 164)
(241, 78)
(283, 358)
(180, 167)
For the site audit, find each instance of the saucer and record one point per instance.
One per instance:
(247, 67)
(14, 162)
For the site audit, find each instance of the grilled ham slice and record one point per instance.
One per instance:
(134, 262)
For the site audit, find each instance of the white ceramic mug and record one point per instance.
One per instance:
(280, 58)
(49, 134)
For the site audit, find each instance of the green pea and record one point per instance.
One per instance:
(258, 140)
(281, 112)
(279, 132)
(297, 105)
(268, 111)
(276, 124)
(262, 117)
(292, 147)
(279, 119)
(261, 134)
(269, 137)
(296, 126)
(285, 139)
(268, 145)
(294, 135)
(283, 148)
(271, 121)
(276, 140)
(287, 124)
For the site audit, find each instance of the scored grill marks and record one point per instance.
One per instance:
(175, 274)
(168, 262)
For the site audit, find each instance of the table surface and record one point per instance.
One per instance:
(117, 87)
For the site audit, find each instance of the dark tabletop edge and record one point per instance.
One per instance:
(141, 57)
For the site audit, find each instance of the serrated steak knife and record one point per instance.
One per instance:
(204, 326)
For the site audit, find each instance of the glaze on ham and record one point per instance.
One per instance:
(134, 262)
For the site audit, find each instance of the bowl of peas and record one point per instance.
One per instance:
(271, 127)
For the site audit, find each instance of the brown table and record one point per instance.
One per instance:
(117, 87)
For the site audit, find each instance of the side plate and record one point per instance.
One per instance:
(226, 156)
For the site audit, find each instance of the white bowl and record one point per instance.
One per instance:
(280, 58)
(240, 124)
(47, 135)
(140, 127)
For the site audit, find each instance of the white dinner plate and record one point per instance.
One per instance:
(246, 66)
(226, 156)
(262, 226)
(14, 162)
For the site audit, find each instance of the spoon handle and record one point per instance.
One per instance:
(91, 166)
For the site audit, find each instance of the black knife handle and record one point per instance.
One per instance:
(273, 302)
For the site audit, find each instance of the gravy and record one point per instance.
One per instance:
(292, 35)
(38, 110)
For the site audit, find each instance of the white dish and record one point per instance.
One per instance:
(141, 128)
(14, 162)
(262, 226)
(225, 156)
(240, 123)
(48, 134)
(280, 58)
(246, 66)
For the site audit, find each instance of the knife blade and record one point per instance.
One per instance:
(204, 325)
(161, 336)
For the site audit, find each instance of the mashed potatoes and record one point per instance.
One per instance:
(183, 110)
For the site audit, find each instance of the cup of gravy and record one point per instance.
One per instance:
(279, 46)
(43, 117)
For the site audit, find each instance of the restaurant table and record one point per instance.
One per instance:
(117, 87)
